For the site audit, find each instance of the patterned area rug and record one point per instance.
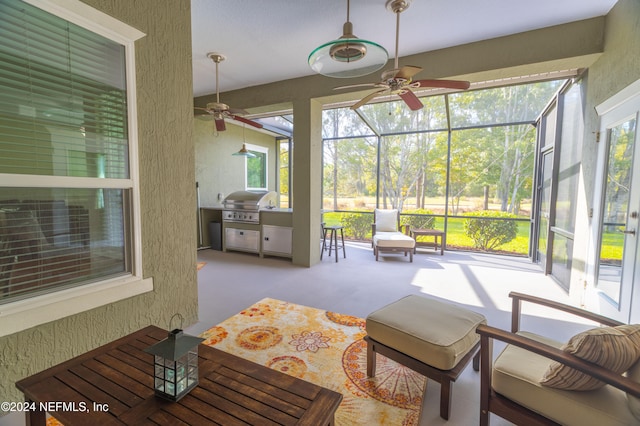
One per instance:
(327, 349)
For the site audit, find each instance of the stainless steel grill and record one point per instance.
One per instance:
(245, 206)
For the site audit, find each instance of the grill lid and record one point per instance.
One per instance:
(251, 200)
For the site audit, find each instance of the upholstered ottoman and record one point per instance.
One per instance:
(390, 242)
(433, 338)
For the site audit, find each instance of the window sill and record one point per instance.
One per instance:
(23, 314)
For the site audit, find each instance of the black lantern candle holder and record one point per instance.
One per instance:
(175, 365)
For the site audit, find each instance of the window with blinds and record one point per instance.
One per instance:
(65, 187)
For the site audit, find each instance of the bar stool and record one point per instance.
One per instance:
(333, 240)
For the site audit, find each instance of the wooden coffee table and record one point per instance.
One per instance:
(435, 233)
(113, 384)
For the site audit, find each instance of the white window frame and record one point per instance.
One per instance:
(23, 314)
(263, 150)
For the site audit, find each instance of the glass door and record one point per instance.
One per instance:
(544, 210)
(618, 218)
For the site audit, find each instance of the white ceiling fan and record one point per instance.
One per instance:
(219, 111)
(399, 81)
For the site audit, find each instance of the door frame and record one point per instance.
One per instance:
(621, 107)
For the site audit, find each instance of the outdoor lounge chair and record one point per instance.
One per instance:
(387, 235)
(583, 379)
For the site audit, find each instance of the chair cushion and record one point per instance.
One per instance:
(393, 239)
(614, 348)
(437, 333)
(386, 220)
(516, 375)
(634, 402)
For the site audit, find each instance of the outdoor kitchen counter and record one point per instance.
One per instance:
(277, 217)
(273, 223)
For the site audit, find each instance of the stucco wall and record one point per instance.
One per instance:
(616, 68)
(217, 170)
(167, 183)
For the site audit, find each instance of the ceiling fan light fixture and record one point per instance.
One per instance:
(244, 152)
(348, 56)
(347, 51)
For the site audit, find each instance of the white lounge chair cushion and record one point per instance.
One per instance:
(393, 239)
(634, 403)
(516, 375)
(386, 220)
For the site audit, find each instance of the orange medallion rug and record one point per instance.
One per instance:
(327, 349)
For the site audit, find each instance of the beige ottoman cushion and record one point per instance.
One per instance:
(437, 333)
(393, 239)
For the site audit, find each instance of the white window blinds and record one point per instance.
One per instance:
(63, 113)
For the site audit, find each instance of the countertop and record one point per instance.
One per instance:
(275, 210)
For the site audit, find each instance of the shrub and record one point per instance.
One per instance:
(419, 222)
(357, 225)
(487, 230)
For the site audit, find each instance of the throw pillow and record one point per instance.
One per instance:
(386, 220)
(614, 348)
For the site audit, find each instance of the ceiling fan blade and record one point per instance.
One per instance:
(411, 100)
(446, 84)
(220, 126)
(356, 85)
(247, 121)
(202, 114)
(237, 111)
(367, 99)
(407, 72)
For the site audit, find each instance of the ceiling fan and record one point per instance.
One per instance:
(219, 111)
(399, 81)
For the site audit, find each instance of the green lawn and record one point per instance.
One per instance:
(455, 233)
(612, 241)
(612, 245)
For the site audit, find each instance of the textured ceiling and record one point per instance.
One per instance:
(269, 40)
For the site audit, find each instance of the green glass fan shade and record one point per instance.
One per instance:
(348, 56)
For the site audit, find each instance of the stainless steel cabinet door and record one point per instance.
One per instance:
(277, 239)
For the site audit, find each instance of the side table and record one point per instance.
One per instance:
(113, 385)
(435, 233)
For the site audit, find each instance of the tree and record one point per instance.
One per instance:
(491, 146)
(349, 163)
(512, 148)
(404, 156)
